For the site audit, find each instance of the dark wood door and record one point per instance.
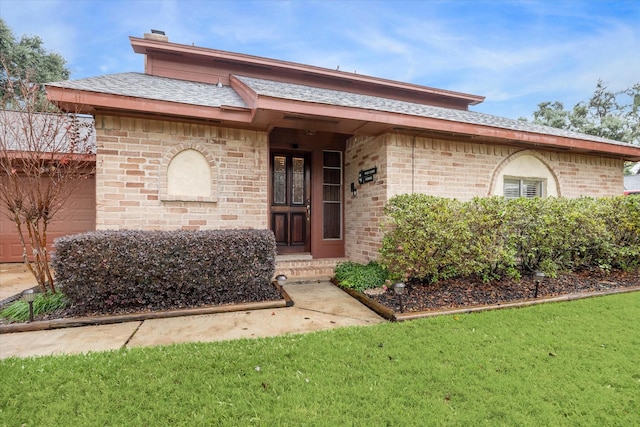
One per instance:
(291, 201)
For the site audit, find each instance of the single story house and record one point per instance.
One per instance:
(207, 139)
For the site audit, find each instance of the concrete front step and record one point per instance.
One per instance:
(307, 269)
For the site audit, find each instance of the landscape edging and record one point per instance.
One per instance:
(73, 322)
(393, 316)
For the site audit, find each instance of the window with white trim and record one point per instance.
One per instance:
(523, 187)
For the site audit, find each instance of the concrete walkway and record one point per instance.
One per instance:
(317, 306)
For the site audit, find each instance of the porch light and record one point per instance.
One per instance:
(399, 289)
(281, 278)
(29, 296)
(538, 276)
(354, 190)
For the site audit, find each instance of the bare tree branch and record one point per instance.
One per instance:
(44, 154)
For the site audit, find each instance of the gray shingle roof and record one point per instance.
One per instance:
(46, 133)
(193, 93)
(632, 182)
(346, 99)
(160, 88)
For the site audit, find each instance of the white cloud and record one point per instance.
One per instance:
(516, 53)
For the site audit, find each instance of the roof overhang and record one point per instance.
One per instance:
(86, 102)
(52, 157)
(265, 113)
(352, 121)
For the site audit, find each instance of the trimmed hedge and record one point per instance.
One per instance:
(113, 271)
(433, 238)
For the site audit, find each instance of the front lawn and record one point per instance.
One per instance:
(572, 363)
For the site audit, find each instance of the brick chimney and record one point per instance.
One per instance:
(156, 35)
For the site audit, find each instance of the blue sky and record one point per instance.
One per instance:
(515, 53)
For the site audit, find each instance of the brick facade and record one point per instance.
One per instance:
(364, 212)
(133, 157)
(457, 169)
(131, 172)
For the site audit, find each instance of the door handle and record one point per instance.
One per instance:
(308, 209)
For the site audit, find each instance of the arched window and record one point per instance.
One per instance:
(524, 174)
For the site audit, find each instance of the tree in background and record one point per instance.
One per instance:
(607, 114)
(27, 59)
(44, 152)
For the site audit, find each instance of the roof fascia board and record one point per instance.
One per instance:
(48, 156)
(427, 123)
(248, 95)
(148, 47)
(81, 99)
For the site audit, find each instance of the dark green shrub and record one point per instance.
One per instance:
(429, 238)
(530, 228)
(621, 216)
(110, 271)
(489, 255)
(18, 311)
(360, 277)
(426, 237)
(584, 241)
(559, 234)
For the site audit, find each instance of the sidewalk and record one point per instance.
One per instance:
(317, 305)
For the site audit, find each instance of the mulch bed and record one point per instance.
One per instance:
(462, 293)
(269, 296)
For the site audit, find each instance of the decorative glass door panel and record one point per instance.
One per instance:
(291, 202)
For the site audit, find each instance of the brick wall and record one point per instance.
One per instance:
(131, 165)
(364, 212)
(133, 154)
(457, 169)
(582, 175)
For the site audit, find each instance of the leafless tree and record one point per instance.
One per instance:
(44, 154)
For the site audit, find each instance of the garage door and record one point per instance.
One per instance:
(78, 216)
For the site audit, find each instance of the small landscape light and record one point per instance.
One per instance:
(281, 278)
(538, 277)
(399, 289)
(29, 296)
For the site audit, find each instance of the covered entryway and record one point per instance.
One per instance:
(78, 216)
(306, 192)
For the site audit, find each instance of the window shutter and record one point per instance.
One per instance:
(511, 188)
(514, 188)
(531, 189)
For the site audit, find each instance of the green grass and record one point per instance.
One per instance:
(574, 363)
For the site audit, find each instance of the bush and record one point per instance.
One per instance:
(110, 271)
(621, 217)
(489, 255)
(429, 238)
(360, 277)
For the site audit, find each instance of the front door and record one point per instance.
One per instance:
(291, 201)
